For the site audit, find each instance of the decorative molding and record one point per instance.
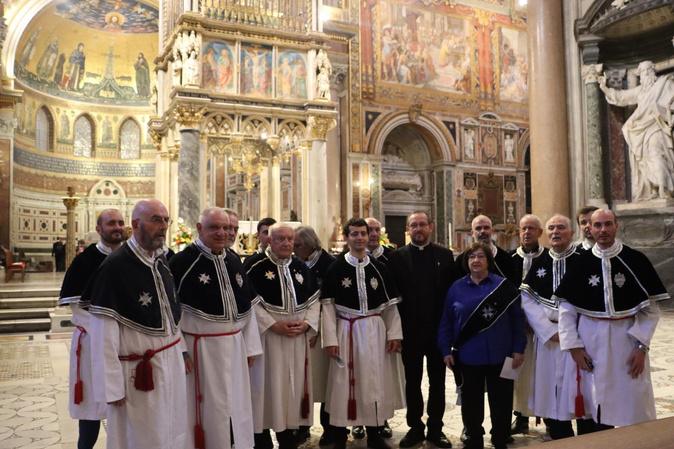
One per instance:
(591, 73)
(319, 126)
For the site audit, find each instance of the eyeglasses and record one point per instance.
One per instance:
(158, 219)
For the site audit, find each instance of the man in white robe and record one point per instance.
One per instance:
(287, 317)
(607, 317)
(137, 346)
(221, 333)
(81, 404)
(362, 333)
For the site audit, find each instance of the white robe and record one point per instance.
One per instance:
(224, 379)
(609, 343)
(553, 390)
(277, 378)
(148, 419)
(379, 375)
(89, 408)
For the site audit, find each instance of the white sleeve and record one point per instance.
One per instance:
(537, 318)
(264, 318)
(105, 359)
(328, 325)
(312, 317)
(394, 328)
(568, 327)
(644, 323)
(251, 335)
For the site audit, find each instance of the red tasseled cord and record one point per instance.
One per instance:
(199, 437)
(79, 391)
(143, 380)
(351, 410)
(78, 388)
(580, 401)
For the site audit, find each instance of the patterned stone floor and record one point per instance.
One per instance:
(34, 393)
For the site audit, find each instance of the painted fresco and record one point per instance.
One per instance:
(218, 67)
(256, 66)
(513, 65)
(291, 75)
(424, 48)
(125, 16)
(70, 60)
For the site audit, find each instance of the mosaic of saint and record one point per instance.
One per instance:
(424, 49)
(513, 65)
(291, 76)
(127, 16)
(256, 76)
(218, 67)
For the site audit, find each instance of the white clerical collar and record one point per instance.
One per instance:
(313, 258)
(420, 247)
(562, 254)
(532, 254)
(609, 252)
(353, 260)
(103, 248)
(377, 252)
(277, 260)
(202, 246)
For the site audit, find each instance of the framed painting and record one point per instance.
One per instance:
(256, 70)
(218, 67)
(291, 75)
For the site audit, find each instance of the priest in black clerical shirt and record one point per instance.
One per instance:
(424, 271)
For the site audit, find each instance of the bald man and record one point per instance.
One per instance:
(482, 231)
(221, 332)
(374, 247)
(607, 316)
(137, 346)
(81, 404)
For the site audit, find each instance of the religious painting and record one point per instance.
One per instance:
(489, 147)
(256, 70)
(513, 65)
(125, 16)
(218, 67)
(291, 75)
(425, 49)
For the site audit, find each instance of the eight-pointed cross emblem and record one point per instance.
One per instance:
(204, 278)
(488, 313)
(145, 299)
(270, 275)
(593, 280)
(346, 282)
(541, 272)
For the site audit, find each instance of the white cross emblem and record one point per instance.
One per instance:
(204, 278)
(619, 279)
(346, 282)
(488, 313)
(541, 272)
(270, 275)
(145, 299)
(593, 280)
(239, 279)
(299, 278)
(374, 283)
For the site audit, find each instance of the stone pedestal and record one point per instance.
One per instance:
(61, 319)
(649, 227)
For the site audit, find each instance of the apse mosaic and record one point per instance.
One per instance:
(291, 76)
(218, 67)
(125, 16)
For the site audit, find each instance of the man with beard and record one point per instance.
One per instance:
(81, 404)
(607, 317)
(137, 346)
(423, 271)
(288, 317)
(482, 230)
(221, 333)
(554, 383)
(583, 218)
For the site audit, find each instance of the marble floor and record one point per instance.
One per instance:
(34, 392)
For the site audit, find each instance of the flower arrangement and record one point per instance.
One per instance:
(183, 236)
(384, 240)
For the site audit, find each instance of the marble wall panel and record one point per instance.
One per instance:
(5, 146)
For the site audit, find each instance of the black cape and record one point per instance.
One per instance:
(283, 286)
(382, 254)
(359, 288)
(517, 258)
(504, 266)
(135, 291)
(614, 283)
(80, 271)
(318, 263)
(546, 273)
(212, 287)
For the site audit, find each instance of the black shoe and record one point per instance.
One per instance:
(327, 439)
(510, 439)
(463, 436)
(302, 434)
(386, 431)
(473, 443)
(358, 432)
(439, 440)
(340, 443)
(412, 438)
(377, 442)
(520, 425)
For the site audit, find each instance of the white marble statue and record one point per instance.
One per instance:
(648, 131)
(323, 72)
(469, 143)
(177, 63)
(509, 146)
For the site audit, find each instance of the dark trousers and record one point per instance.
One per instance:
(88, 433)
(499, 394)
(413, 360)
(286, 439)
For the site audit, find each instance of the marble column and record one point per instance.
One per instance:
(270, 190)
(547, 113)
(189, 177)
(595, 170)
(70, 203)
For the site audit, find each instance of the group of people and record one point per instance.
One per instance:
(201, 350)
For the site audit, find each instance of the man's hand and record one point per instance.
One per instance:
(393, 346)
(118, 403)
(636, 362)
(581, 358)
(449, 361)
(251, 360)
(518, 359)
(555, 338)
(312, 341)
(189, 364)
(289, 328)
(332, 351)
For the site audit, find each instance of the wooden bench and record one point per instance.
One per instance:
(12, 267)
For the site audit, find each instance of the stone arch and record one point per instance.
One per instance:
(120, 130)
(523, 147)
(92, 124)
(51, 127)
(106, 193)
(254, 126)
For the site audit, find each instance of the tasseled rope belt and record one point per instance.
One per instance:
(143, 378)
(79, 385)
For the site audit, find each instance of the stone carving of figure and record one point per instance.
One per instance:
(469, 143)
(154, 100)
(45, 67)
(178, 60)
(509, 146)
(323, 72)
(142, 76)
(648, 131)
